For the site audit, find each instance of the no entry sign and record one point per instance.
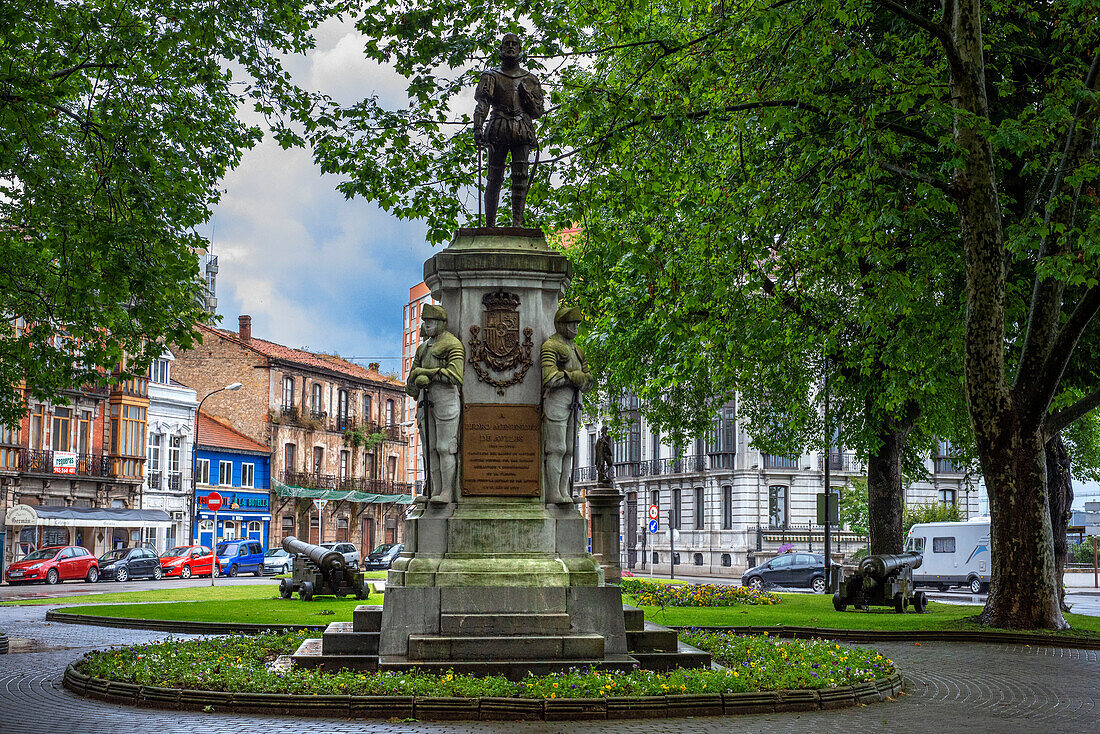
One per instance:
(214, 501)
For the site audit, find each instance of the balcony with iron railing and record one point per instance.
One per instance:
(947, 465)
(771, 461)
(311, 480)
(39, 461)
(154, 480)
(175, 481)
(841, 461)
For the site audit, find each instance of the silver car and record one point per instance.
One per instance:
(277, 560)
(351, 555)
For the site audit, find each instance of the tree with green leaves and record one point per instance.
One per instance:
(117, 124)
(917, 182)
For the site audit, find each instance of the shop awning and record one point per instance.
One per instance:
(85, 517)
(286, 490)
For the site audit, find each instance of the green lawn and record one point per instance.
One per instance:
(816, 610)
(253, 604)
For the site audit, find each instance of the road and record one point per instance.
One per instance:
(69, 588)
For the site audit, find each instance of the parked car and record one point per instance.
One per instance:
(789, 569)
(383, 556)
(54, 565)
(186, 561)
(277, 560)
(351, 554)
(235, 556)
(124, 564)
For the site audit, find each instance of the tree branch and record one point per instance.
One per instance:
(936, 30)
(1060, 419)
(917, 176)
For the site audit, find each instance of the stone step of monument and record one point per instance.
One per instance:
(309, 655)
(367, 618)
(506, 647)
(549, 623)
(685, 656)
(635, 618)
(340, 638)
(654, 638)
(511, 669)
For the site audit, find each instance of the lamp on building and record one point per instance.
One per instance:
(231, 387)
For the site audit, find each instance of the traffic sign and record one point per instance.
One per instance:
(319, 504)
(654, 513)
(214, 501)
(653, 526)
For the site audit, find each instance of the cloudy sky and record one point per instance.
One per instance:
(312, 269)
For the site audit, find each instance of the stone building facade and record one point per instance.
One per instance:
(314, 411)
(731, 505)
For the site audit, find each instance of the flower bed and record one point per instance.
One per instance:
(657, 594)
(241, 665)
(765, 662)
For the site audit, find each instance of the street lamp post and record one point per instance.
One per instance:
(232, 387)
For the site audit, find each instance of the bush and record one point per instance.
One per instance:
(657, 594)
(1081, 553)
(930, 512)
(240, 664)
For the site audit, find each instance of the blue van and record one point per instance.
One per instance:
(236, 556)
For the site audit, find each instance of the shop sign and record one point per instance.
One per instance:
(64, 462)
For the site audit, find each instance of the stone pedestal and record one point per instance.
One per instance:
(603, 509)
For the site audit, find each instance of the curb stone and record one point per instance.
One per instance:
(177, 626)
(486, 708)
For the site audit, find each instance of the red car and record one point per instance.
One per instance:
(186, 561)
(53, 565)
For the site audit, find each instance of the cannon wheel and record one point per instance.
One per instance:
(305, 592)
(899, 603)
(838, 603)
(920, 602)
(286, 588)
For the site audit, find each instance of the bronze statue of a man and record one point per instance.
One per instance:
(604, 460)
(511, 97)
(434, 380)
(565, 375)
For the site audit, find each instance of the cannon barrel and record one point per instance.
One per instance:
(329, 560)
(879, 567)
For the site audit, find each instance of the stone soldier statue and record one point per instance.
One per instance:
(515, 98)
(434, 380)
(564, 377)
(604, 460)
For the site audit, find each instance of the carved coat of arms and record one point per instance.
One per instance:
(500, 349)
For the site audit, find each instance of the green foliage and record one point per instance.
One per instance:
(239, 664)
(1081, 553)
(657, 594)
(118, 123)
(854, 511)
(929, 512)
(359, 437)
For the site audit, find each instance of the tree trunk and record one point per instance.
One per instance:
(884, 484)
(1060, 499)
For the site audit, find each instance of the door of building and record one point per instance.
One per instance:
(631, 531)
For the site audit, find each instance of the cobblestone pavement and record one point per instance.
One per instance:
(950, 688)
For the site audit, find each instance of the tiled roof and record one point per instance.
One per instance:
(301, 356)
(217, 432)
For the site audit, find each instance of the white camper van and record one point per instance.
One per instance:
(955, 553)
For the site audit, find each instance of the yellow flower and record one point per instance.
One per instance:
(555, 685)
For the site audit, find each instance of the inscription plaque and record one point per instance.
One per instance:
(501, 450)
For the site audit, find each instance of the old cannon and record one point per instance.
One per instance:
(319, 571)
(884, 581)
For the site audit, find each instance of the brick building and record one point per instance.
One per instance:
(334, 428)
(71, 472)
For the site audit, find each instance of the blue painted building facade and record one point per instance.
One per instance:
(241, 474)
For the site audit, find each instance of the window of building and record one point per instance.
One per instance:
(700, 515)
(342, 529)
(255, 527)
(391, 415)
(727, 508)
(722, 438)
(37, 434)
(61, 432)
(289, 457)
(288, 525)
(175, 445)
(342, 409)
(202, 471)
(368, 465)
(128, 430)
(943, 545)
(676, 559)
(288, 392)
(316, 398)
(656, 557)
(84, 432)
(154, 452)
(159, 371)
(54, 536)
(248, 475)
(676, 506)
(777, 506)
(225, 473)
(591, 448)
(391, 468)
(655, 445)
(9, 451)
(318, 459)
(367, 412)
(727, 560)
(344, 456)
(697, 559)
(948, 496)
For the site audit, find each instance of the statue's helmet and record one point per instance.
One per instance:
(432, 311)
(510, 46)
(568, 314)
